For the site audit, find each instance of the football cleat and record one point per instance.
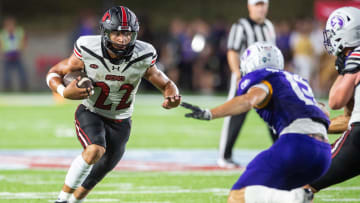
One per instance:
(309, 195)
(61, 201)
(227, 163)
(302, 195)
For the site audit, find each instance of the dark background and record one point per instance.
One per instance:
(49, 14)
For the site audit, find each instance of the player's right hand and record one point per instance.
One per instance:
(72, 91)
(197, 113)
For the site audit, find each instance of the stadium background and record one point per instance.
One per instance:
(52, 27)
(169, 158)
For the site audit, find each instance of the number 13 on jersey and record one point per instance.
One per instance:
(301, 88)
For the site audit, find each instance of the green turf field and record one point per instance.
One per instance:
(33, 122)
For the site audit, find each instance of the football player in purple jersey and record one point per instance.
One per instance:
(286, 102)
(342, 39)
(116, 62)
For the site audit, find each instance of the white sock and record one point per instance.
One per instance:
(77, 172)
(74, 200)
(63, 196)
(263, 194)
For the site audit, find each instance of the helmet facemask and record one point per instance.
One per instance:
(125, 50)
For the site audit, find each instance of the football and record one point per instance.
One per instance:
(83, 82)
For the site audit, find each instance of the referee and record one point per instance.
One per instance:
(243, 33)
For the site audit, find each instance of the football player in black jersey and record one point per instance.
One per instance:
(342, 39)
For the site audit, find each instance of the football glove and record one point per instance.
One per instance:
(197, 113)
(340, 64)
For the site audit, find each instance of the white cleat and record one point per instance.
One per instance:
(61, 201)
(302, 195)
(227, 163)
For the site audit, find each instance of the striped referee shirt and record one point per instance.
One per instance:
(245, 32)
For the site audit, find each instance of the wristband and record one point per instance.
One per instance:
(50, 76)
(60, 89)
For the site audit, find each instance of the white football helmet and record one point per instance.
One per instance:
(261, 55)
(342, 30)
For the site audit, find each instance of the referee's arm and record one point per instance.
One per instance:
(234, 63)
(234, 44)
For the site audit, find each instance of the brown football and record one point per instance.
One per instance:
(84, 82)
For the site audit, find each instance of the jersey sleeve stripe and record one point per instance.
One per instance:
(268, 97)
(77, 53)
(153, 62)
(77, 48)
(355, 54)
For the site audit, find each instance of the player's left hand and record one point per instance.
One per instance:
(197, 112)
(171, 102)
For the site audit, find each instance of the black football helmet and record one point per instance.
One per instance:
(119, 18)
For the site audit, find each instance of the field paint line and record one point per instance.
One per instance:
(46, 195)
(102, 200)
(208, 190)
(341, 200)
(146, 202)
(28, 195)
(178, 173)
(129, 186)
(134, 159)
(341, 188)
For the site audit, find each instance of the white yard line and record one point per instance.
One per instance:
(341, 200)
(140, 190)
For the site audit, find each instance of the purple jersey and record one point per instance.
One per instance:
(291, 98)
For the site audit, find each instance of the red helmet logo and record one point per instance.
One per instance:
(106, 16)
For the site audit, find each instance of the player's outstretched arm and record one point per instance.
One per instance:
(57, 72)
(170, 92)
(197, 112)
(235, 106)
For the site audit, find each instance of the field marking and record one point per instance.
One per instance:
(341, 200)
(141, 190)
(134, 159)
(342, 188)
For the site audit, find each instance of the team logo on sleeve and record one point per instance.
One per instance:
(244, 84)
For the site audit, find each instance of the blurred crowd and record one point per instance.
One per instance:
(193, 53)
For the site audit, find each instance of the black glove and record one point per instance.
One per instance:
(198, 113)
(340, 64)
